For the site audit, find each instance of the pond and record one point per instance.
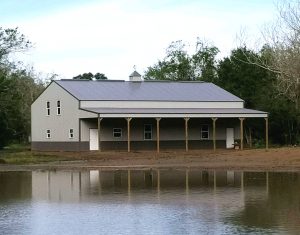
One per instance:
(149, 202)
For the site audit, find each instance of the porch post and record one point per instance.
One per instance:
(186, 119)
(242, 132)
(128, 134)
(99, 132)
(79, 135)
(214, 133)
(267, 133)
(157, 134)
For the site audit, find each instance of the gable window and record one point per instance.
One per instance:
(204, 132)
(117, 133)
(71, 133)
(48, 108)
(58, 108)
(48, 134)
(147, 132)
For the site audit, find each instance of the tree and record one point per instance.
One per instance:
(204, 61)
(243, 79)
(282, 57)
(12, 41)
(100, 76)
(257, 86)
(18, 89)
(282, 45)
(178, 65)
(90, 76)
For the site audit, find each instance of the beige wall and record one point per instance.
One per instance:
(58, 124)
(159, 104)
(170, 128)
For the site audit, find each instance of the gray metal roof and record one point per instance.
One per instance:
(146, 91)
(174, 111)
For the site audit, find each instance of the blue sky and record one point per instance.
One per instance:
(76, 36)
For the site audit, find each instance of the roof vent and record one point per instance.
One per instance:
(135, 76)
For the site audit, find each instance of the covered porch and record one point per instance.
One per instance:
(166, 129)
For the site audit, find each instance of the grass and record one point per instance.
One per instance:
(21, 154)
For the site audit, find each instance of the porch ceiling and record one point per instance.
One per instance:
(177, 112)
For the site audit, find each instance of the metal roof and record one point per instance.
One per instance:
(177, 112)
(146, 91)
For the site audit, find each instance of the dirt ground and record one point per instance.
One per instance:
(275, 159)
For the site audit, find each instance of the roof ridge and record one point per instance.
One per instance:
(87, 80)
(120, 80)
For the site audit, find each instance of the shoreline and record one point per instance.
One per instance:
(275, 159)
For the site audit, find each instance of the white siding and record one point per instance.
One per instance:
(59, 125)
(159, 104)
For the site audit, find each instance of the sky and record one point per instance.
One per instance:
(72, 37)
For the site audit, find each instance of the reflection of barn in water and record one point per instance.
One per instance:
(165, 178)
(59, 185)
(74, 186)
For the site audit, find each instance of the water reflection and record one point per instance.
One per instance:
(15, 185)
(62, 186)
(151, 201)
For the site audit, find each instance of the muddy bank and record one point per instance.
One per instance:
(276, 159)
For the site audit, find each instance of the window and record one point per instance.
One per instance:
(48, 108)
(147, 132)
(204, 132)
(71, 133)
(58, 108)
(48, 135)
(117, 133)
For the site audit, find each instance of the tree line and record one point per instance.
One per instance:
(18, 88)
(234, 73)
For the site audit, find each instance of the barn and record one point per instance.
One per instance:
(83, 115)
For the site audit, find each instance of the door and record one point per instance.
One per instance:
(229, 138)
(94, 141)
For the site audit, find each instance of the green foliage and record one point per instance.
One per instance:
(254, 84)
(178, 65)
(18, 89)
(243, 79)
(90, 76)
(28, 157)
(257, 86)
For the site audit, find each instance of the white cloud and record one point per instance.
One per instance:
(112, 37)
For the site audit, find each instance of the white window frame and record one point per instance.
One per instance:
(71, 133)
(48, 108)
(58, 107)
(115, 130)
(48, 134)
(202, 131)
(146, 132)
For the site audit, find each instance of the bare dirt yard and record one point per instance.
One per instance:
(275, 159)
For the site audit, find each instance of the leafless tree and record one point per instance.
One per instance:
(281, 53)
